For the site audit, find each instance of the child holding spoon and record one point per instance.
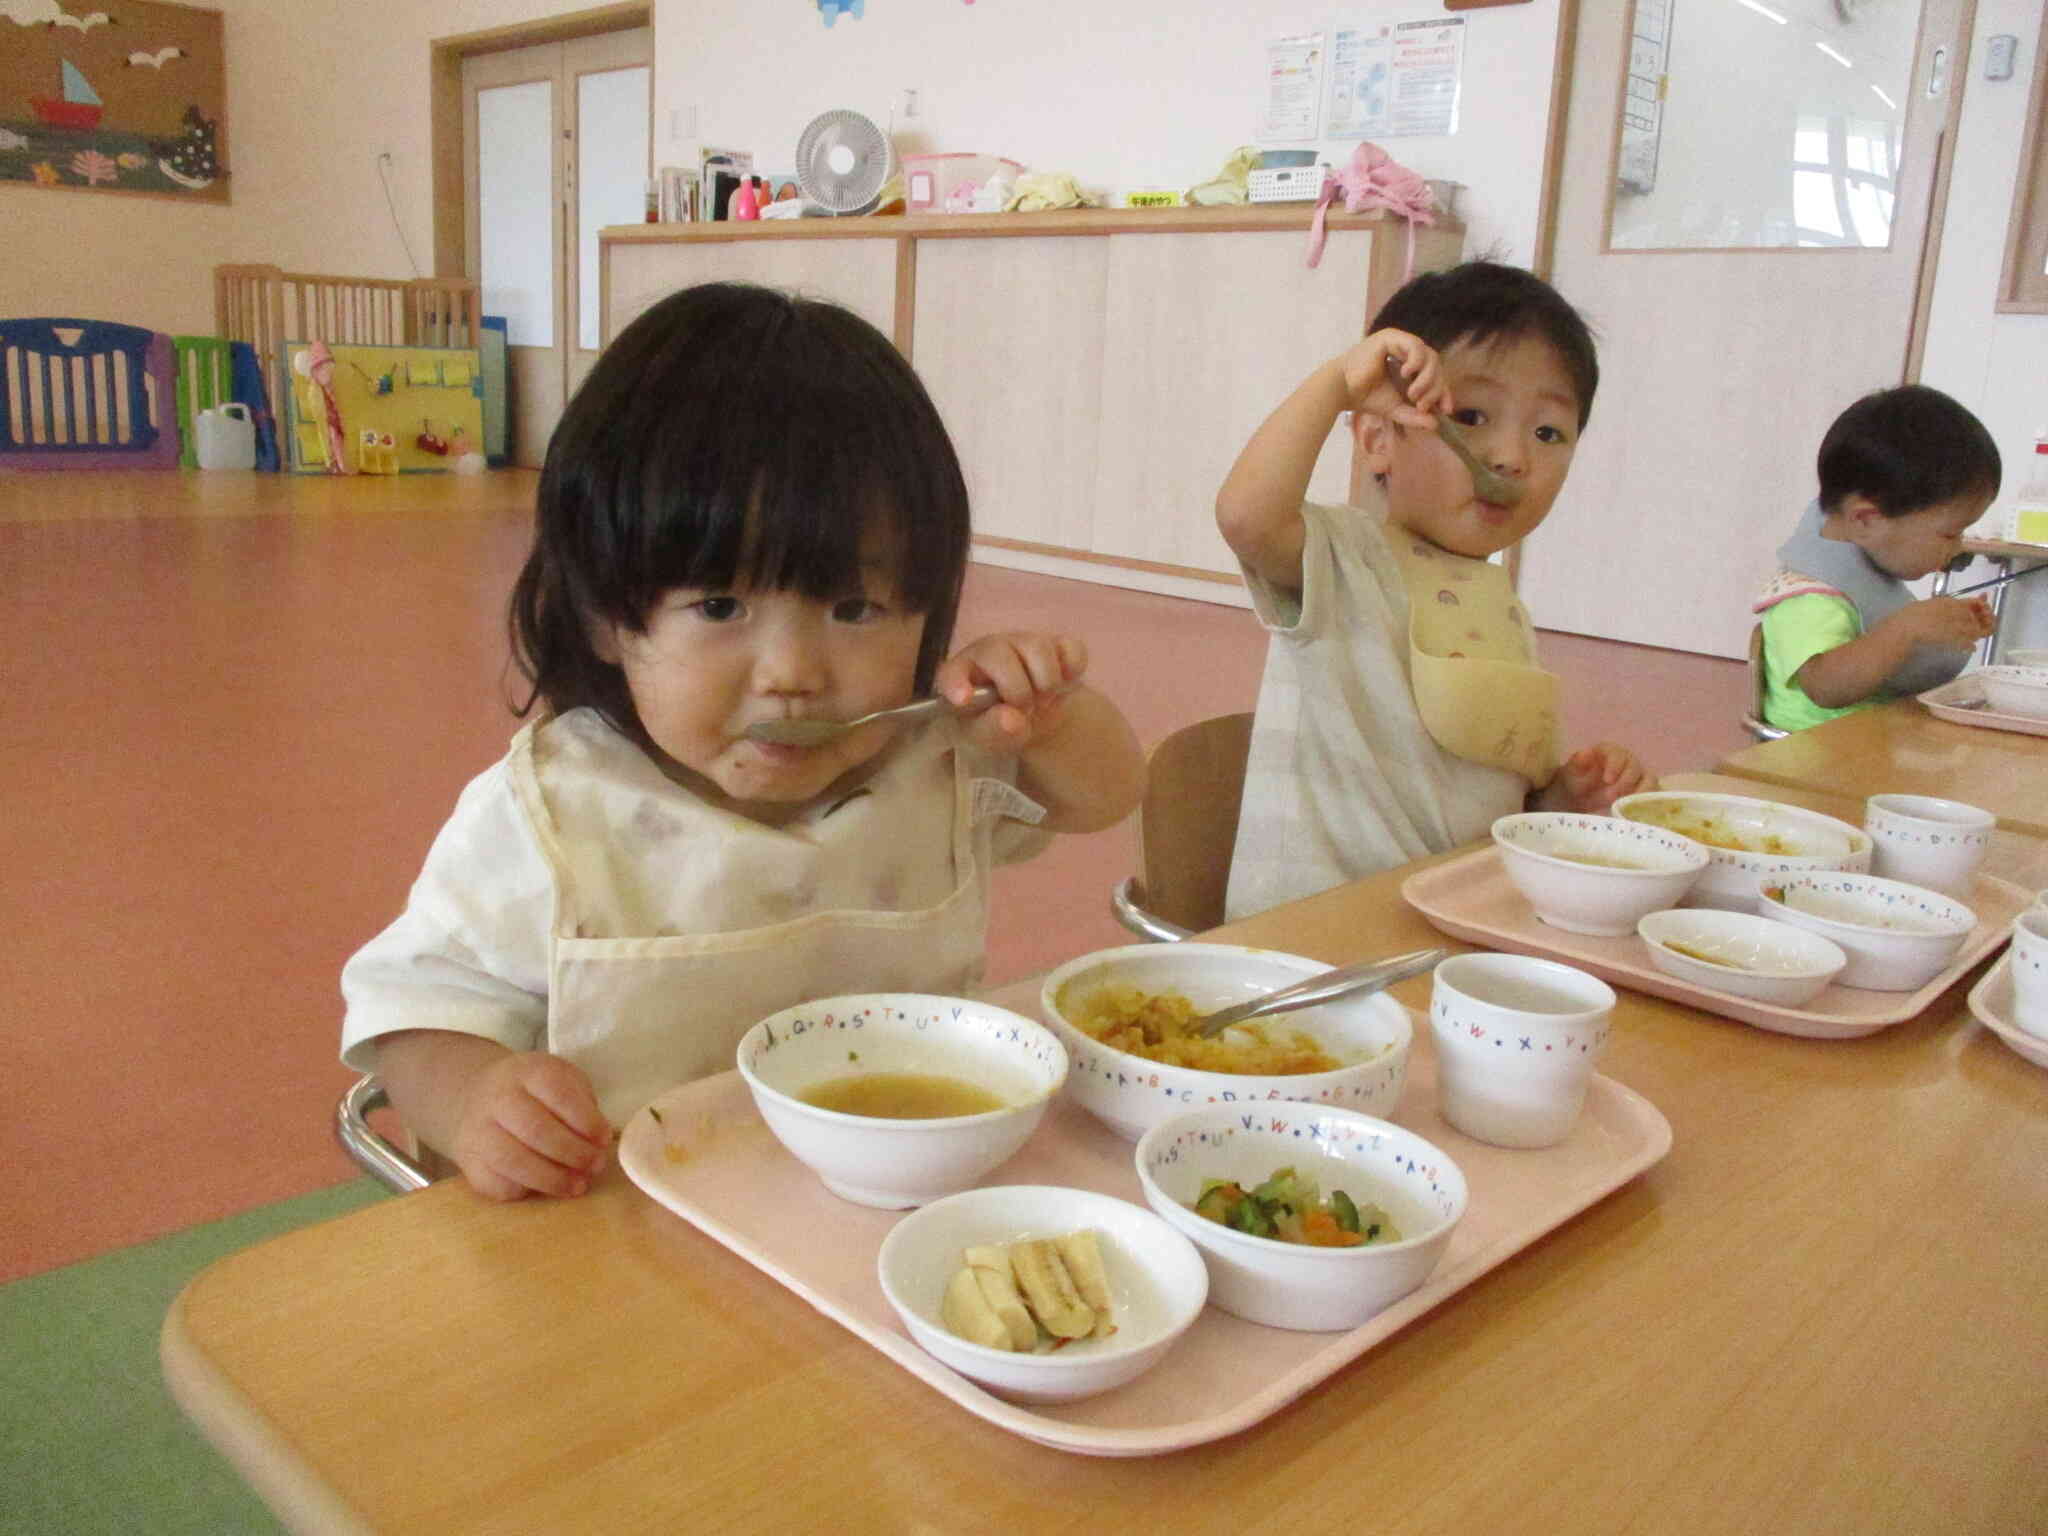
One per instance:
(750, 512)
(1402, 710)
(1903, 474)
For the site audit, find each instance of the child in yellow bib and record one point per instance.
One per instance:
(1402, 708)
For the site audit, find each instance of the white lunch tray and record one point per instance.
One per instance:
(1471, 897)
(702, 1151)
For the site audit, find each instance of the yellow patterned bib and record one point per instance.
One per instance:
(1472, 661)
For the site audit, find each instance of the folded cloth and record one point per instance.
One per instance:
(1232, 184)
(1047, 189)
(1374, 179)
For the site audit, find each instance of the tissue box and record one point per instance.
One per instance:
(949, 183)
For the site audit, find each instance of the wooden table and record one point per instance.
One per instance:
(1823, 1312)
(1899, 748)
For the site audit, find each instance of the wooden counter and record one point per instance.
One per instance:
(1099, 369)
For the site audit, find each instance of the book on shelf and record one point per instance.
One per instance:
(718, 176)
(679, 194)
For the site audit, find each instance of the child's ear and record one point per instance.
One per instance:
(1859, 515)
(1374, 436)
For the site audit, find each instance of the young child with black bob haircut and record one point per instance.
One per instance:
(750, 512)
(1402, 710)
(1903, 474)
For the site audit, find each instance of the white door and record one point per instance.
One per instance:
(1748, 274)
(557, 142)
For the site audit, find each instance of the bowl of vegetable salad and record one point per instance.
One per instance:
(1307, 1216)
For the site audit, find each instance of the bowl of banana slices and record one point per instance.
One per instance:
(1042, 1294)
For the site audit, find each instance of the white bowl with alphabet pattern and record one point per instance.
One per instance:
(894, 1163)
(1898, 937)
(1292, 1285)
(1367, 1037)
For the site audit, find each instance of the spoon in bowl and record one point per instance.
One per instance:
(1327, 986)
(815, 733)
(1488, 483)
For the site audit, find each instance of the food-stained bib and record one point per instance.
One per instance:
(1472, 662)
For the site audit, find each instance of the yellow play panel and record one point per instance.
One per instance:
(382, 410)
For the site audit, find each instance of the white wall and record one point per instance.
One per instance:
(1995, 364)
(1119, 93)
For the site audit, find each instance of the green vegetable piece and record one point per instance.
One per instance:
(1345, 1212)
(1215, 1202)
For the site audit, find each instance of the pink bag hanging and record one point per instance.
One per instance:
(1374, 179)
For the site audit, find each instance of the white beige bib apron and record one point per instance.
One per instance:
(640, 1015)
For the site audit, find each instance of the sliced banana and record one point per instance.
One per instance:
(1084, 1262)
(1049, 1290)
(966, 1312)
(990, 1267)
(1030, 1295)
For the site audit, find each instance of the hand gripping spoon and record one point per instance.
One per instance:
(1344, 981)
(1488, 483)
(815, 733)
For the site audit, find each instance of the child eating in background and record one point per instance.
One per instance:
(1903, 474)
(750, 512)
(1402, 710)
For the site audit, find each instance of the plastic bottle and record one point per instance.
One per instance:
(745, 204)
(2030, 506)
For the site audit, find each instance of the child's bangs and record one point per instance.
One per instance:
(804, 494)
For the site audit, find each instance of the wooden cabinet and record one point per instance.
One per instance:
(1098, 370)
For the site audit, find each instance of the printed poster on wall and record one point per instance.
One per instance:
(130, 96)
(1394, 80)
(1294, 89)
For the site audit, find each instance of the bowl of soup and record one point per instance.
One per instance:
(1747, 839)
(1126, 1017)
(895, 1099)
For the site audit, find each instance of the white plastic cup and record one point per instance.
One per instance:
(1925, 840)
(2030, 970)
(1516, 1040)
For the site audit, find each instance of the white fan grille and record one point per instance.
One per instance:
(842, 160)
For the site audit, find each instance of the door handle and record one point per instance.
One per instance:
(1937, 73)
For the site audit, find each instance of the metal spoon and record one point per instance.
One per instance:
(815, 733)
(1488, 483)
(1344, 981)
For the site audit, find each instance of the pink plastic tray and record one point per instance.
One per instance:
(709, 1158)
(1473, 898)
(1963, 702)
(1991, 1001)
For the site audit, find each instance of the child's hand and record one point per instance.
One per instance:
(1370, 387)
(530, 1125)
(1951, 623)
(1593, 778)
(1032, 675)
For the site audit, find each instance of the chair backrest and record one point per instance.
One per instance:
(1753, 718)
(1187, 825)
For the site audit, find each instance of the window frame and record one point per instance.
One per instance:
(2023, 284)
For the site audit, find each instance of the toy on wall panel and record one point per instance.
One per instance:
(316, 366)
(832, 10)
(426, 442)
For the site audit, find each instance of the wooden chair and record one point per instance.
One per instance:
(1187, 827)
(1753, 719)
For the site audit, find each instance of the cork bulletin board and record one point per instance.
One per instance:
(114, 96)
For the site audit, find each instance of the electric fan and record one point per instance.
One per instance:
(842, 160)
